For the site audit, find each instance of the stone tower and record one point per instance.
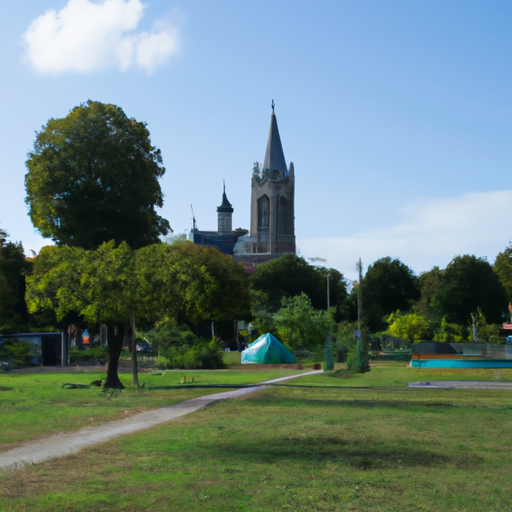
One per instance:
(272, 200)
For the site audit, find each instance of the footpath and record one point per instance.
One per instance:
(64, 444)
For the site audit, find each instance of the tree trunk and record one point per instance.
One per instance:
(79, 340)
(114, 347)
(237, 335)
(134, 348)
(92, 328)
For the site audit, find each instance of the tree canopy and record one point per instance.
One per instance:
(13, 267)
(428, 305)
(93, 177)
(299, 325)
(469, 283)
(112, 285)
(410, 326)
(503, 268)
(389, 285)
(290, 276)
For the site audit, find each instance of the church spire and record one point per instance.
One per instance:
(224, 214)
(274, 157)
(226, 205)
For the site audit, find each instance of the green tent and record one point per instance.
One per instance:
(267, 350)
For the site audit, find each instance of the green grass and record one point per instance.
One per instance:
(375, 446)
(325, 449)
(398, 374)
(369, 443)
(35, 404)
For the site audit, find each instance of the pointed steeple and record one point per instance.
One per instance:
(274, 157)
(226, 205)
(224, 214)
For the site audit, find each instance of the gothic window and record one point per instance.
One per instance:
(263, 213)
(282, 221)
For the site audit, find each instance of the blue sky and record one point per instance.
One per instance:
(396, 114)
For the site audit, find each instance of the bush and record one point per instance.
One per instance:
(179, 347)
(207, 356)
(166, 336)
(96, 355)
(201, 355)
(16, 352)
(310, 356)
(163, 363)
(358, 360)
(302, 354)
(341, 351)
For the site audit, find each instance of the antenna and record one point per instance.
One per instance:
(194, 227)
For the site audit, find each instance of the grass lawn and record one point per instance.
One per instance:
(361, 443)
(398, 374)
(33, 402)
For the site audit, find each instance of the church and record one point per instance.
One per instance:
(272, 231)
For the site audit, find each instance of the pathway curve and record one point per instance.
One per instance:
(60, 445)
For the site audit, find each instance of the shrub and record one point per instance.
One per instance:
(356, 353)
(179, 347)
(16, 352)
(207, 356)
(200, 355)
(167, 335)
(341, 351)
(302, 354)
(96, 355)
(358, 360)
(163, 362)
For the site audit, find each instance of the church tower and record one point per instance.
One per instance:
(272, 200)
(272, 211)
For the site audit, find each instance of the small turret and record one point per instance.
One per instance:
(224, 215)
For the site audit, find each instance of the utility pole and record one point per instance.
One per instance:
(359, 268)
(329, 359)
(328, 292)
(359, 346)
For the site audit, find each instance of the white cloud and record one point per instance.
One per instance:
(431, 233)
(87, 36)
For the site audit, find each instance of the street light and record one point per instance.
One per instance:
(329, 360)
(328, 293)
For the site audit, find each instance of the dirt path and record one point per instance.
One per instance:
(65, 444)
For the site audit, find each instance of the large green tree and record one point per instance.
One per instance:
(389, 285)
(428, 305)
(13, 267)
(93, 177)
(503, 268)
(290, 276)
(298, 325)
(118, 286)
(469, 283)
(410, 326)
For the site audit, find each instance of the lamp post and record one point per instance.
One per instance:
(329, 360)
(328, 292)
(359, 346)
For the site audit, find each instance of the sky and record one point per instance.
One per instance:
(397, 115)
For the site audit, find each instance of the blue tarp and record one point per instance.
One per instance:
(267, 349)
